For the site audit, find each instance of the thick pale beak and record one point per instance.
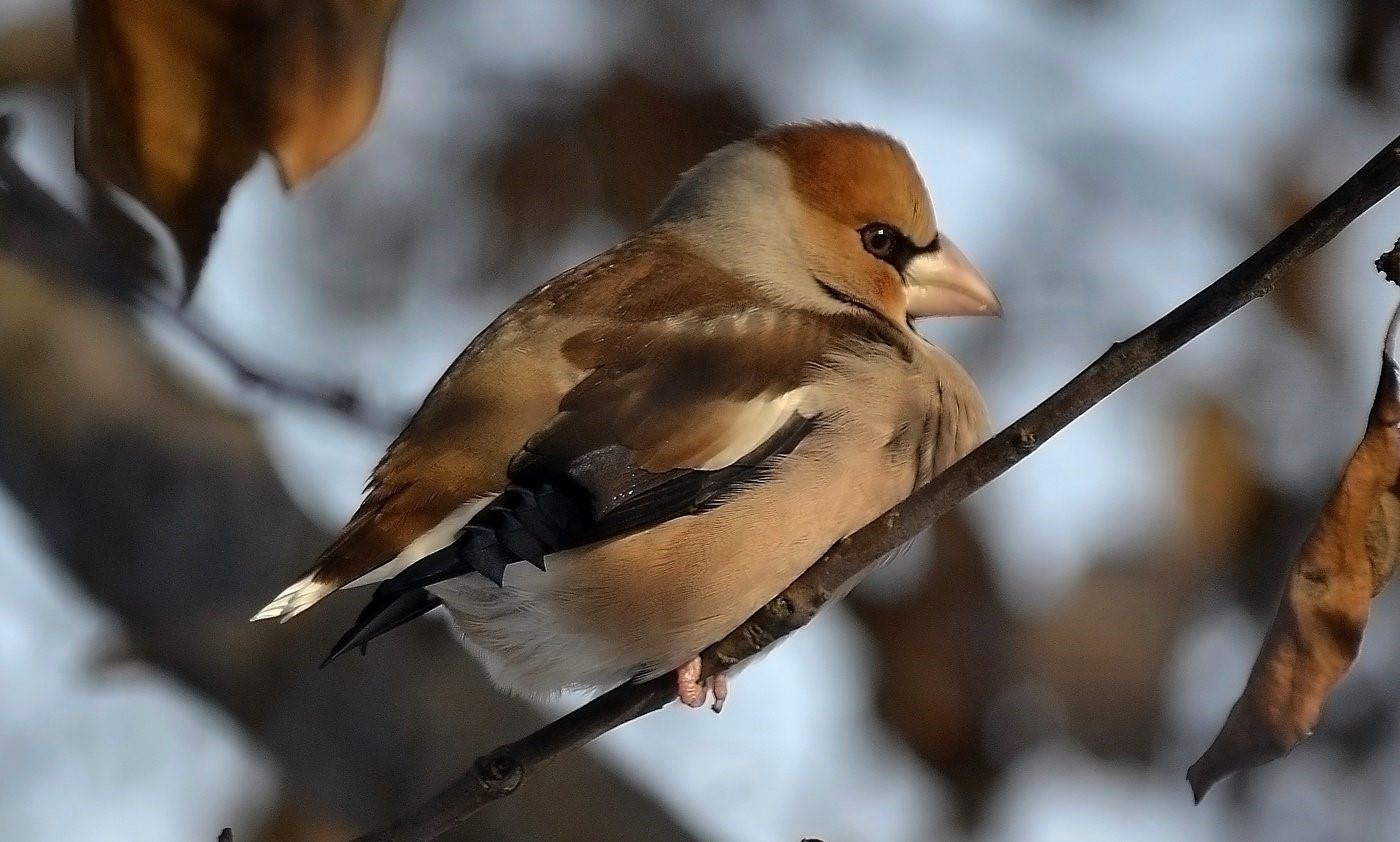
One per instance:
(945, 283)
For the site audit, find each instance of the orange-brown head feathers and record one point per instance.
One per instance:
(854, 176)
(828, 216)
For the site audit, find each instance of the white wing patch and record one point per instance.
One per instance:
(429, 542)
(756, 422)
(306, 592)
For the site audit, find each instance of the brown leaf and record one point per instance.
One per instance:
(37, 48)
(1315, 636)
(326, 89)
(182, 96)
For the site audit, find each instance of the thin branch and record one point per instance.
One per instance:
(506, 769)
(338, 400)
(37, 230)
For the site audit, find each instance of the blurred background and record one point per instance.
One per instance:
(1045, 667)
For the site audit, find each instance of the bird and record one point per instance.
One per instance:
(670, 433)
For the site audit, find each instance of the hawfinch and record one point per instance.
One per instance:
(672, 432)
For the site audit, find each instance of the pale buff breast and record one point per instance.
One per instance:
(647, 602)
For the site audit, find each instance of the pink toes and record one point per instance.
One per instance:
(689, 688)
(693, 692)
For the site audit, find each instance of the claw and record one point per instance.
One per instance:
(719, 684)
(693, 691)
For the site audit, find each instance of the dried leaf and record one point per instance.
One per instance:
(327, 85)
(37, 48)
(1344, 562)
(182, 96)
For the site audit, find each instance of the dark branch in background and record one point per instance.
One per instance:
(40, 232)
(338, 400)
(504, 770)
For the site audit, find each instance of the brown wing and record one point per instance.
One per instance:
(505, 387)
(672, 418)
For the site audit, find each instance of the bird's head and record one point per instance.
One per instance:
(827, 216)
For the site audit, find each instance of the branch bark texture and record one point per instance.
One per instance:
(503, 771)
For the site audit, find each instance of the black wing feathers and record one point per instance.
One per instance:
(388, 616)
(649, 498)
(553, 504)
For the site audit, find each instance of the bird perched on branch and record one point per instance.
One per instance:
(643, 451)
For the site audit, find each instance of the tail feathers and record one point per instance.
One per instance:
(380, 618)
(520, 524)
(307, 591)
(299, 596)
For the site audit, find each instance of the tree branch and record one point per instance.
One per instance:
(36, 229)
(503, 771)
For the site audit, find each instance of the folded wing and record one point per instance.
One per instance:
(670, 421)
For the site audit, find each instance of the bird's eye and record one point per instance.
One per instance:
(880, 240)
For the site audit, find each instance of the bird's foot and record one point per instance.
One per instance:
(693, 692)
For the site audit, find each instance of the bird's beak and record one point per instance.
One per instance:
(944, 282)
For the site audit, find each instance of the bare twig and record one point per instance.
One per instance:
(339, 400)
(37, 230)
(504, 770)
